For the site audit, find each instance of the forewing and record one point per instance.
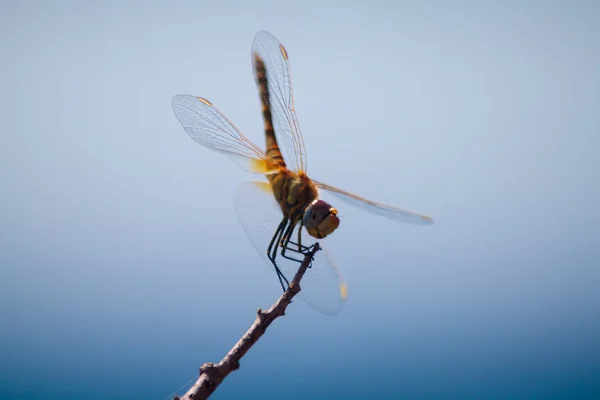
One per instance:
(323, 287)
(281, 102)
(209, 127)
(384, 210)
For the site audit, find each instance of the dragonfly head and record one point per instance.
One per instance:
(320, 219)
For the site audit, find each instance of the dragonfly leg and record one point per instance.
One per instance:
(272, 252)
(304, 250)
(285, 244)
(300, 247)
(294, 250)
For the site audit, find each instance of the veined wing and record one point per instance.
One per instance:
(209, 127)
(394, 213)
(281, 101)
(323, 287)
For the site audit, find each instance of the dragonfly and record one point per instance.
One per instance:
(285, 215)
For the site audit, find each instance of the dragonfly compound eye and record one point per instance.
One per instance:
(320, 219)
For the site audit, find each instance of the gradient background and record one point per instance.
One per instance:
(123, 267)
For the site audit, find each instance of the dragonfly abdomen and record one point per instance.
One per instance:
(273, 152)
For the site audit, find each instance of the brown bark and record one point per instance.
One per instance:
(211, 375)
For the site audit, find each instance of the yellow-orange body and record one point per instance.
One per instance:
(293, 191)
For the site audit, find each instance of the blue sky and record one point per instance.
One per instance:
(123, 267)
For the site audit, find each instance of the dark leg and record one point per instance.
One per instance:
(276, 236)
(301, 249)
(273, 249)
(285, 243)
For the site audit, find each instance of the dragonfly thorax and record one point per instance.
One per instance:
(320, 219)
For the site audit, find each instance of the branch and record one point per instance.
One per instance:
(212, 375)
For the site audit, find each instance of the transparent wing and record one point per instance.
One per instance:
(281, 102)
(209, 127)
(394, 213)
(323, 287)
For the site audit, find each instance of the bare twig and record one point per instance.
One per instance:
(211, 375)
